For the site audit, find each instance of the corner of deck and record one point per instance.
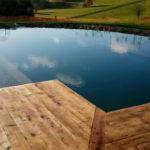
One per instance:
(50, 116)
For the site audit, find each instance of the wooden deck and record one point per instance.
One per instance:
(50, 116)
(47, 116)
(128, 129)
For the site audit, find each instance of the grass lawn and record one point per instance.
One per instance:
(105, 11)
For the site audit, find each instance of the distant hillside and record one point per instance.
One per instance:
(101, 9)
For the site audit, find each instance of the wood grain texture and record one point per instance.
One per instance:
(50, 116)
(97, 132)
(44, 116)
(128, 129)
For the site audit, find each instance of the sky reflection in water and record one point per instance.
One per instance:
(110, 69)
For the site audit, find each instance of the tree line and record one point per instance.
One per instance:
(16, 8)
(27, 7)
(21, 7)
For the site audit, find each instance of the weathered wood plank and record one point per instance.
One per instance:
(31, 124)
(55, 126)
(4, 142)
(50, 116)
(16, 138)
(137, 142)
(45, 116)
(97, 133)
(128, 128)
(10, 128)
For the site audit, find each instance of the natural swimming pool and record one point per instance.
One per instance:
(112, 70)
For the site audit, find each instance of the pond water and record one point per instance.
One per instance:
(112, 70)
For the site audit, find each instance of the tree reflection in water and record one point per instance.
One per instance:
(4, 34)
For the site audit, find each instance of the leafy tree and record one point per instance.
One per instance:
(88, 3)
(16, 8)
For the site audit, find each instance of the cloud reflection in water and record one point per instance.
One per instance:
(38, 61)
(121, 47)
(73, 80)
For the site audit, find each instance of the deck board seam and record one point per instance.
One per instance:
(38, 114)
(130, 108)
(23, 107)
(50, 113)
(56, 103)
(45, 93)
(6, 109)
(91, 130)
(96, 141)
(53, 101)
(126, 138)
(3, 130)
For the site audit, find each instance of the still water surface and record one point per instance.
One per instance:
(112, 70)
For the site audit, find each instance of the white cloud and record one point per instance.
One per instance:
(83, 43)
(11, 69)
(120, 47)
(37, 61)
(72, 80)
(56, 40)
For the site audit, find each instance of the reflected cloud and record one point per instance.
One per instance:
(11, 74)
(71, 80)
(56, 40)
(37, 61)
(83, 43)
(121, 47)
